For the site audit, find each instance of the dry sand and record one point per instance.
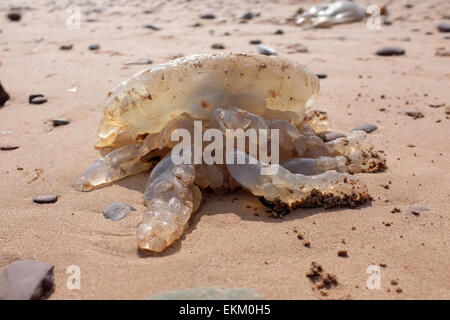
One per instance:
(226, 244)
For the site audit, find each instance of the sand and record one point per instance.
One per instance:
(226, 244)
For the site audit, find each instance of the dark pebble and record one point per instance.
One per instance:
(117, 211)
(330, 135)
(4, 96)
(94, 46)
(26, 280)
(387, 22)
(267, 51)
(218, 46)
(248, 16)
(8, 148)
(207, 16)
(321, 75)
(414, 114)
(60, 122)
(152, 27)
(255, 41)
(367, 127)
(66, 47)
(390, 51)
(14, 16)
(279, 31)
(443, 26)
(37, 99)
(45, 198)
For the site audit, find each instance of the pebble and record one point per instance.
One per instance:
(60, 122)
(267, 51)
(443, 26)
(255, 41)
(301, 48)
(26, 280)
(415, 114)
(139, 62)
(117, 211)
(443, 53)
(8, 148)
(66, 47)
(4, 96)
(152, 27)
(207, 16)
(45, 198)
(37, 99)
(218, 46)
(248, 15)
(436, 105)
(330, 135)
(387, 22)
(321, 75)
(14, 16)
(390, 51)
(94, 46)
(208, 293)
(279, 31)
(367, 127)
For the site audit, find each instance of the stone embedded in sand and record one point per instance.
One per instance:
(4, 96)
(60, 122)
(45, 198)
(94, 46)
(207, 16)
(9, 147)
(66, 47)
(217, 46)
(443, 27)
(255, 41)
(26, 280)
(266, 50)
(117, 211)
(37, 99)
(367, 127)
(390, 51)
(14, 16)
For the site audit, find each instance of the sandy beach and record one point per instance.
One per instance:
(231, 242)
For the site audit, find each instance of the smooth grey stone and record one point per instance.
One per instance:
(37, 99)
(4, 96)
(26, 280)
(8, 148)
(248, 15)
(218, 46)
(207, 16)
(60, 122)
(94, 46)
(330, 135)
(208, 293)
(255, 41)
(390, 51)
(140, 62)
(443, 26)
(117, 211)
(267, 51)
(152, 27)
(45, 198)
(14, 16)
(367, 127)
(304, 166)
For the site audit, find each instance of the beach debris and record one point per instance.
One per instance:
(152, 27)
(4, 96)
(217, 46)
(45, 198)
(139, 62)
(330, 135)
(117, 211)
(9, 147)
(250, 98)
(94, 46)
(14, 16)
(367, 127)
(66, 47)
(390, 51)
(37, 99)
(26, 280)
(266, 50)
(255, 41)
(326, 15)
(209, 293)
(443, 27)
(60, 122)
(207, 16)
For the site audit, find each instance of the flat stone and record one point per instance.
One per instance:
(301, 48)
(248, 15)
(8, 148)
(367, 127)
(207, 16)
(45, 198)
(117, 211)
(279, 31)
(255, 41)
(60, 122)
(208, 293)
(14, 16)
(443, 27)
(4, 96)
(436, 105)
(218, 46)
(139, 62)
(266, 50)
(330, 135)
(152, 27)
(321, 75)
(66, 47)
(94, 46)
(37, 99)
(390, 51)
(26, 280)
